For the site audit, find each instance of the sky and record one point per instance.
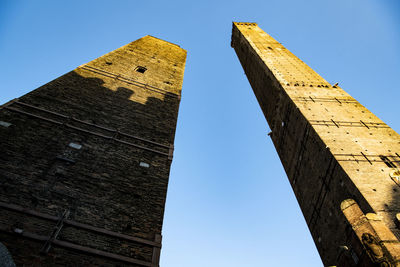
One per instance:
(229, 201)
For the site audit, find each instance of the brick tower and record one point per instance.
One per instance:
(341, 160)
(85, 160)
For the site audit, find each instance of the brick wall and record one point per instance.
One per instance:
(332, 148)
(96, 142)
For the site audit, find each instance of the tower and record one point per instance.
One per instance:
(85, 160)
(341, 160)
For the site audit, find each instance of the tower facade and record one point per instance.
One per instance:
(85, 160)
(341, 160)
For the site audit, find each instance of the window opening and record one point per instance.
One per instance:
(140, 69)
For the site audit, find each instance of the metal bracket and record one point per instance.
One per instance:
(57, 229)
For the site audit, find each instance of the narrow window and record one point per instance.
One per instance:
(387, 161)
(140, 69)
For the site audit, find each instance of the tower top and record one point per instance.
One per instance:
(245, 23)
(164, 41)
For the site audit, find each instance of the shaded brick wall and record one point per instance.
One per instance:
(332, 148)
(96, 142)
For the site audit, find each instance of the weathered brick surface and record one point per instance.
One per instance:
(120, 117)
(332, 148)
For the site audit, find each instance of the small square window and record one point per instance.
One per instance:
(75, 145)
(140, 69)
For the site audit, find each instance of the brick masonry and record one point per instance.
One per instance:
(96, 143)
(334, 151)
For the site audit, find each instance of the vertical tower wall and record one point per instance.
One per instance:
(332, 149)
(85, 160)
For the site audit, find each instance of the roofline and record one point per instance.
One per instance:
(165, 41)
(245, 23)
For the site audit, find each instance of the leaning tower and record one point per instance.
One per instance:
(341, 160)
(85, 160)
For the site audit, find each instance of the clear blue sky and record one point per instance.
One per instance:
(229, 202)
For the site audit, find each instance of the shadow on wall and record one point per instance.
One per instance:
(49, 166)
(394, 204)
(89, 100)
(373, 237)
